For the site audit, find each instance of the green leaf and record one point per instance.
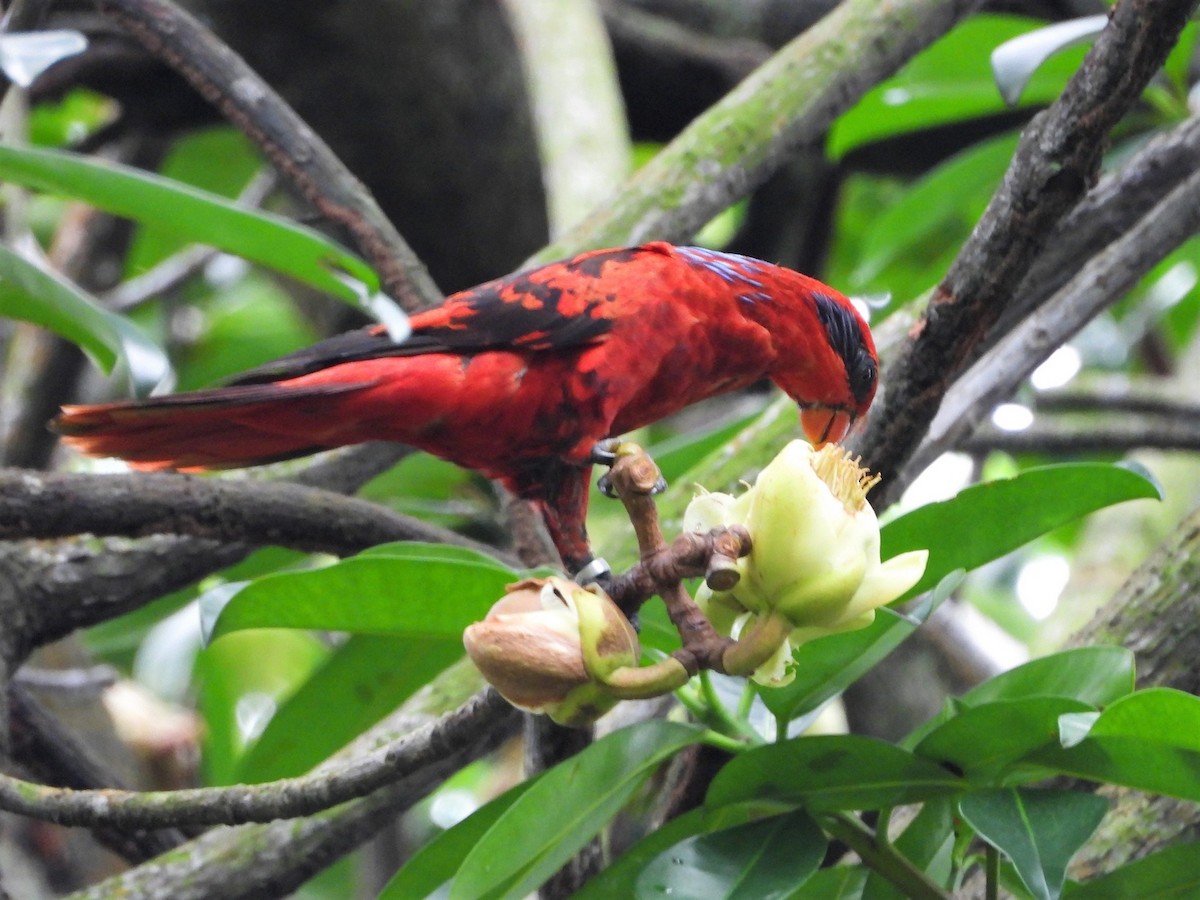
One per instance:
(432, 867)
(33, 294)
(990, 520)
(827, 666)
(983, 741)
(1170, 874)
(420, 590)
(1096, 676)
(563, 810)
(620, 878)
(220, 160)
(939, 208)
(1039, 830)
(830, 772)
(759, 860)
(1149, 740)
(675, 457)
(927, 842)
(245, 324)
(1015, 61)
(362, 681)
(242, 680)
(836, 883)
(950, 81)
(196, 215)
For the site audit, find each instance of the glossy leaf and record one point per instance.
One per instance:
(1039, 830)
(824, 773)
(836, 883)
(949, 81)
(940, 207)
(990, 520)
(761, 860)
(620, 878)
(1096, 676)
(242, 681)
(362, 681)
(434, 865)
(33, 294)
(260, 237)
(927, 842)
(1015, 61)
(984, 740)
(676, 456)
(827, 666)
(1170, 874)
(1149, 740)
(423, 589)
(561, 812)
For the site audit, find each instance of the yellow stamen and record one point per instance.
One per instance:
(848, 479)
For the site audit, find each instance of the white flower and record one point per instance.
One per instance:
(815, 551)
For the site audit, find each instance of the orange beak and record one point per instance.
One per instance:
(823, 425)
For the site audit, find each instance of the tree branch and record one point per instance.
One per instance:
(262, 861)
(788, 102)
(1056, 160)
(329, 785)
(1100, 283)
(1058, 436)
(290, 515)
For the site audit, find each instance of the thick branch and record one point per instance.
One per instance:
(290, 515)
(1058, 436)
(1103, 281)
(1116, 204)
(1056, 160)
(224, 79)
(322, 789)
(262, 861)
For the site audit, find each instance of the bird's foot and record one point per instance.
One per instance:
(605, 454)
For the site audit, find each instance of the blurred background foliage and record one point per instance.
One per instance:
(430, 106)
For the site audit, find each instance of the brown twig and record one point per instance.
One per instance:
(662, 566)
(329, 786)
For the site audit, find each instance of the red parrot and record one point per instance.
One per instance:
(521, 377)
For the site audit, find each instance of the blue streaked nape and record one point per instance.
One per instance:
(733, 268)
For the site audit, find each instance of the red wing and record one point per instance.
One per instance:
(554, 307)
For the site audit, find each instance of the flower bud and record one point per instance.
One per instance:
(548, 645)
(815, 551)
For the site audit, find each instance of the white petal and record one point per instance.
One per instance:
(779, 670)
(887, 582)
(707, 511)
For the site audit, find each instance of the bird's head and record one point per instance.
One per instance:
(828, 366)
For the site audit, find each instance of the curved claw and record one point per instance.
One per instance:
(604, 453)
(597, 571)
(605, 486)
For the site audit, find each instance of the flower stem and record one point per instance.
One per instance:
(720, 716)
(723, 742)
(884, 859)
(992, 870)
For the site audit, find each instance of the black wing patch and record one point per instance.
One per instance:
(846, 338)
(520, 312)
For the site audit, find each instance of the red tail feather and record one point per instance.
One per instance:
(223, 428)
